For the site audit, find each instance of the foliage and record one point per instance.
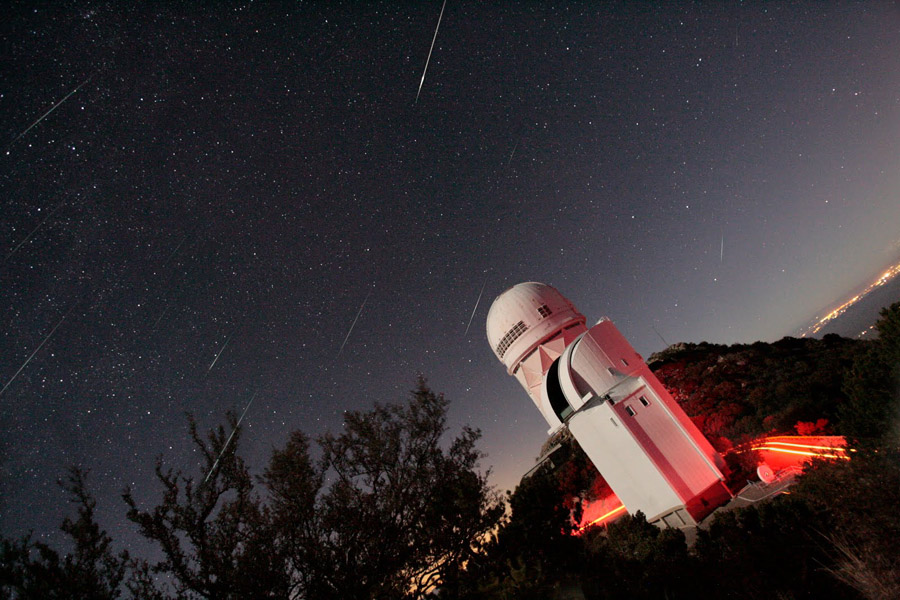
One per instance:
(215, 534)
(767, 550)
(871, 416)
(385, 513)
(533, 549)
(734, 393)
(856, 501)
(31, 569)
(401, 516)
(634, 559)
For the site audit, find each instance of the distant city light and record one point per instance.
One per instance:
(885, 277)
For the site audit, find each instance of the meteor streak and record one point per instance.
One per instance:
(177, 248)
(660, 336)
(36, 350)
(353, 324)
(233, 431)
(52, 108)
(511, 154)
(165, 310)
(33, 231)
(476, 308)
(427, 60)
(220, 353)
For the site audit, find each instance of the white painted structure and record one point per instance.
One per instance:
(593, 382)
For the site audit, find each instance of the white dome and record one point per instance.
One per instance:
(524, 316)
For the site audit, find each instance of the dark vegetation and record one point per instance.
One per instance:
(388, 511)
(385, 511)
(736, 393)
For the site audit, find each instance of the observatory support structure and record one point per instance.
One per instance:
(593, 382)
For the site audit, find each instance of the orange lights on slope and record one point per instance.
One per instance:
(819, 454)
(833, 447)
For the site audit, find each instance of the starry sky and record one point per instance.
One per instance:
(198, 202)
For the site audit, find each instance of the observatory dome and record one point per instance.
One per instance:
(524, 316)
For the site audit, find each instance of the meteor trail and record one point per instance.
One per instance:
(177, 248)
(722, 249)
(353, 324)
(33, 231)
(476, 304)
(36, 350)
(513, 153)
(52, 108)
(233, 431)
(660, 336)
(165, 310)
(427, 60)
(220, 353)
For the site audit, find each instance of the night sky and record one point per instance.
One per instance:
(203, 219)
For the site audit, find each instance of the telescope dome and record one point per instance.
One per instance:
(523, 317)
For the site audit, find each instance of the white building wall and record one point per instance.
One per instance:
(614, 348)
(660, 460)
(675, 453)
(629, 472)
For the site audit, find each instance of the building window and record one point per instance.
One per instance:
(611, 371)
(544, 310)
(644, 401)
(624, 362)
(613, 421)
(630, 411)
(512, 335)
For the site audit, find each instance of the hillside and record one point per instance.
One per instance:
(737, 392)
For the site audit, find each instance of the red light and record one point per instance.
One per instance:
(809, 446)
(773, 447)
(602, 518)
(841, 456)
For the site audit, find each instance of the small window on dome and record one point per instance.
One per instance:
(544, 310)
(630, 411)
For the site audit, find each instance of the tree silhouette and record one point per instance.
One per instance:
(386, 512)
(91, 570)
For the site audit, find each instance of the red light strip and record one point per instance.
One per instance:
(804, 453)
(598, 520)
(810, 446)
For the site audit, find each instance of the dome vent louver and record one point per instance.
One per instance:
(511, 336)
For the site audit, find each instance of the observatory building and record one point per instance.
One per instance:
(593, 382)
